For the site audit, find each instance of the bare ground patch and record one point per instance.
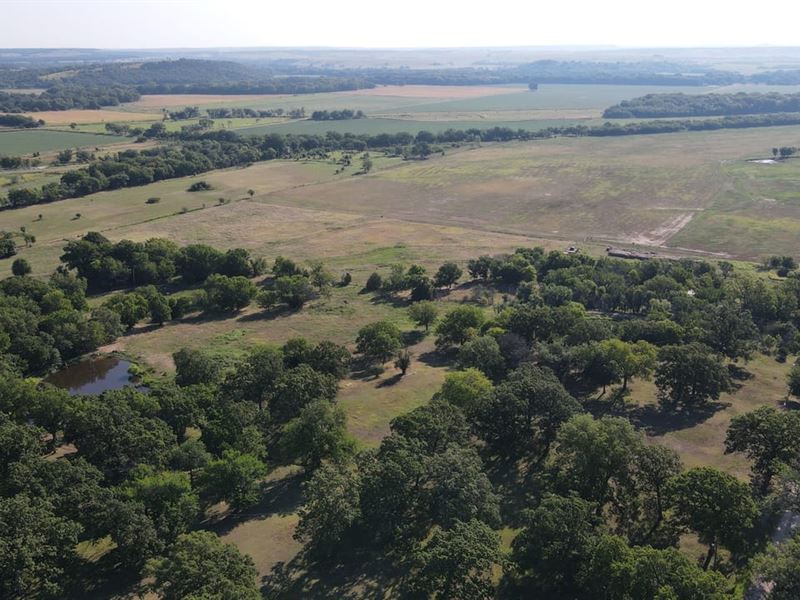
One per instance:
(662, 234)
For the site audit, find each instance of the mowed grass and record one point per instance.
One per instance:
(22, 142)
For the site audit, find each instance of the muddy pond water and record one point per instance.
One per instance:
(93, 375)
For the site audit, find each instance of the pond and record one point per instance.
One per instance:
(93, 375)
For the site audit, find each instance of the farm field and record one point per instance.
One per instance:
(393, 109)
(19, 142)
(65, 117)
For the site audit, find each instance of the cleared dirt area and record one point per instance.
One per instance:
(435, 91)
(65, 117)
(662, 234)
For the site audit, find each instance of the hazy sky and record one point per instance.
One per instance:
(398, 23)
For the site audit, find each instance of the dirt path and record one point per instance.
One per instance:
(662, 234)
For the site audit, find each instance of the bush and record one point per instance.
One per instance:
(153, 200)
(20, 267)
(374, 283)
(200, 186)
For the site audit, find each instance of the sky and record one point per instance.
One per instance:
(403, 23)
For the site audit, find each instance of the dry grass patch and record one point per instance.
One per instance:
(454, 92)
(151, 101)
(80, 116)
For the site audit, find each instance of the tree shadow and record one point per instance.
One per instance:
(413, 337)
(279, 497)
(104, 578)
(210, 317)
(349, 575)
(438, 358)
(140, 329)
(516, 489)
(655, 421)
(390, 381)
(268, 314)
(363, 369)
(391, 300)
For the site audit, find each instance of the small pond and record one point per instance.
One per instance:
(93, 375)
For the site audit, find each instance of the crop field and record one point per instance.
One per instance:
(393, 109)
(19, 142)
(65, 117)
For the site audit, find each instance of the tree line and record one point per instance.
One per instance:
(19, 121)
(703, 105)
(67, 97)
(337, 115)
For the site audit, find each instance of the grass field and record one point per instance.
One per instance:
(19, 142)
(65, 117)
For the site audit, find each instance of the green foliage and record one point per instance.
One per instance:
(37, 549)
(199, 565)
(766, 436)
(483, 353)
(378, 342)
(793, 379)
(295, 388)
(468, 390)
(524, 412)
(200, 186)
(228, 293)
(193, 367)
(254, 378)
(714, 505)
(689, 376)
(293, 290)
(118, 431)
(778, 565)
(20, 267)
(234, 478)
(131, 308)
(168, 500)
(459, 325)
(403, 361)
(331, 507)
(423, 313)
(374, 282)
(457, 563)
(555, 543)
(447, 275)
(435, 426)
(318, 433)
(595, 458)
